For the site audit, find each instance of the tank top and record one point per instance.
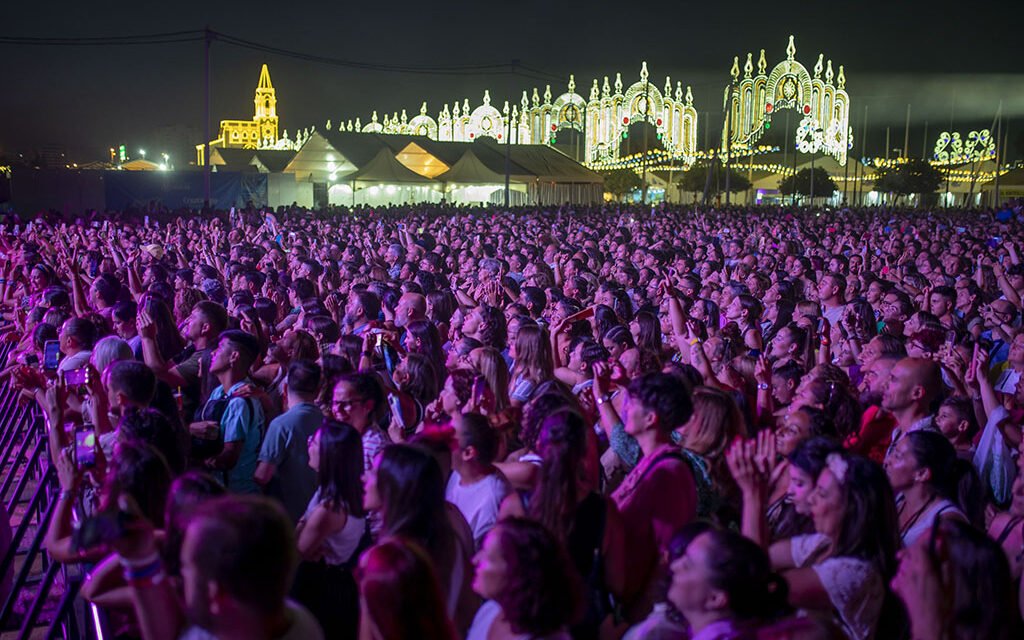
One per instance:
(339, 546)
(923, 523)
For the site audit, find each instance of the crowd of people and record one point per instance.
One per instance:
(544, 423)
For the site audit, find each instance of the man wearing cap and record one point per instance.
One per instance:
(240, 421)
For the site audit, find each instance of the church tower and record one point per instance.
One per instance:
(266, 109)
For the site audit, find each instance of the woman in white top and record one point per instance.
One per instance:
(531, 587)
(843, 568)
(933, 483)
(330, 532)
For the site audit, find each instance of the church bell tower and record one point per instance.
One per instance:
(266, 109)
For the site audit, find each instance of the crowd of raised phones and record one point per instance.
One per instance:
(544, 423)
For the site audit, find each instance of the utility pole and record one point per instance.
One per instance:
(863, 147)
(647, 123)
(906, 135)
(207, 39)
(728, 134)
(508, 138)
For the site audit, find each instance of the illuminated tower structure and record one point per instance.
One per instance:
(266, 110)
(601, 123)
(258, 133)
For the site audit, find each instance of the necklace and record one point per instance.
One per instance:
(914, 518)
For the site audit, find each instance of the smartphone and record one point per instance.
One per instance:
(85, 448)
(147, 221)
(380, 339)
(396, 409)
(77, 377)
(821, 326)
(950, 339)
(479, 385)
(580, 315)
(51, 355)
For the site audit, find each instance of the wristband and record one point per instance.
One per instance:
(603, 399)
(67, 495)
(694, 341)
(763, 386)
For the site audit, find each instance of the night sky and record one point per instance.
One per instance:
(928, 54)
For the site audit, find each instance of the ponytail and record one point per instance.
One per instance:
(970, 493)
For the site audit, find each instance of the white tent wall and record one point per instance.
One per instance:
(376, 196)
(555, 193)
(283, 190)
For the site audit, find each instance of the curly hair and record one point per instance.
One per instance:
(542, 593)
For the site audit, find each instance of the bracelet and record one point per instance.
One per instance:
(67, 495)
(694, 341)
(603, 399)
(763, 386)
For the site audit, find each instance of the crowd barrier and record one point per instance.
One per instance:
(29, 492)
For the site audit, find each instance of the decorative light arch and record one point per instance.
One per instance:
(423, 125)
(486, 121)
(822, 103)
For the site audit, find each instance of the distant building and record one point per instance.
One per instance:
(258, 133)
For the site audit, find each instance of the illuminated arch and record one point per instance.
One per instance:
(486, 121)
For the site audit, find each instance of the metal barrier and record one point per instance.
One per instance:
(29, 490)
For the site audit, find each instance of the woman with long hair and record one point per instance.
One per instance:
(405, 486)
(715, 423)
(588, 524)
(168, 338)
(646, 331)
(423, 338)
(330, 532)
(725, 582)
(617, 339)
(487, 362)
(399, 594)
(791, 483)
(955, 582)
(533, 363)
(844, 566)
(932, 483)
(527, 579)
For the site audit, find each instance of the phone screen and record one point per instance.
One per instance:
(85, 448)
(478, 390)
(51, 355)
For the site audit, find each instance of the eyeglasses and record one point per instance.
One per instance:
(347, 404)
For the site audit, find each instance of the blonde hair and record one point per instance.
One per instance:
(715, 423)
(533, 355)
(488, 363)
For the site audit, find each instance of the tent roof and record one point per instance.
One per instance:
(275, 160)
(469, 170)
(140, 165)
(386, 169)
(233, 158)
(421, 161)
(358, 148)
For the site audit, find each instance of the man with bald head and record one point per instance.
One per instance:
(914, 384)
(876, 424)
(411, 307)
